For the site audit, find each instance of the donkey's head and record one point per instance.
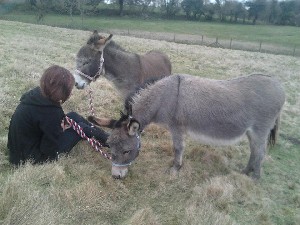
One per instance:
(124, 142)
(89, 60)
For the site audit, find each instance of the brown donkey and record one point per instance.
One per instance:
(125, 69)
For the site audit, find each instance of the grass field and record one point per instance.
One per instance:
(209, 189)
(284, 36)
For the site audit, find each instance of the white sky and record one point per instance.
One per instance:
(213, 1)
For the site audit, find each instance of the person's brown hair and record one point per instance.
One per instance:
(57, 83)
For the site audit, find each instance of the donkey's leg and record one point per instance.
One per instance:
(249, 168)
(258, 144)
(178, 148)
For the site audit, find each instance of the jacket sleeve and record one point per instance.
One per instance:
(51, 130)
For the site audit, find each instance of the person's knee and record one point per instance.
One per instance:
(74, 116)
(85, 127)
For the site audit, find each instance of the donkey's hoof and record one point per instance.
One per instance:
(247, 171)
(92, 119)
(174, 170)
(173, 173)
(255, 177)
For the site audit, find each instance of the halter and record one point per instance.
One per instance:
(97, 74)
(128, 164)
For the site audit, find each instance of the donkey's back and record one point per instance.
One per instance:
(154, 64)
(224, 111)
(219, 111)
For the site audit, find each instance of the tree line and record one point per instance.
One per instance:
(278, 12)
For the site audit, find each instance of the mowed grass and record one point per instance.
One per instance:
(284, 36)
(209, 189)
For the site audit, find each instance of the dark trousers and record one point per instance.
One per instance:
(70, 137)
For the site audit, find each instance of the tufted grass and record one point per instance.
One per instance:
(209, 188)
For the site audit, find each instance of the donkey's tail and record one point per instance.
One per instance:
(274, 133)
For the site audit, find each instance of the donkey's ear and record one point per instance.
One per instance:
(103, 41)
(98, 42)
(133, 127)
(93, 39)
(109, 37)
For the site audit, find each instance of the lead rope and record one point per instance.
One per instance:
(92, 141)
(91, 102)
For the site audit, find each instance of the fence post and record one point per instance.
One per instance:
(230, 43)
(174, 38)
(201, 39)
(294, 52)
(260, 43)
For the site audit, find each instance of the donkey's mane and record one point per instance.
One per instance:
(129, 99)
(118, 123)
(114, 45)
(124, 116)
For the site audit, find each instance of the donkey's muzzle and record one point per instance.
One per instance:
(79, 86)
(119, 172)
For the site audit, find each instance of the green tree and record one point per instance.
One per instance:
(170, 7)
(121, 7)
(219, 9)
(290, 11)
(256, 9)
(208, 10)
(192, 8)
(273, 11)
(41, 7)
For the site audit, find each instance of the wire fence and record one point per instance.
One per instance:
(212, 42)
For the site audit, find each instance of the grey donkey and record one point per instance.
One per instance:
(215, 112)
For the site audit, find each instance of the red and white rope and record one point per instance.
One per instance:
(93, 142)
(92, 110)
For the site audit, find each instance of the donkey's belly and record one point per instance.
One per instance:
(216, 138)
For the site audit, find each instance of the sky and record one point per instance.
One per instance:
(213, 1)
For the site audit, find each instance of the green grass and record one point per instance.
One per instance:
(279, 35)
(285, 189)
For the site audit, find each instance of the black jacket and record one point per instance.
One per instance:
(34, 129)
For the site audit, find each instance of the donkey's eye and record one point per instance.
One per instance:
(86, 62)
(126, 152)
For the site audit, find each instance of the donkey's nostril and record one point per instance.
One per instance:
(76, 84)
(116, 176)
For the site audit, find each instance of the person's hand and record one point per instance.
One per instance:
(64, 125)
